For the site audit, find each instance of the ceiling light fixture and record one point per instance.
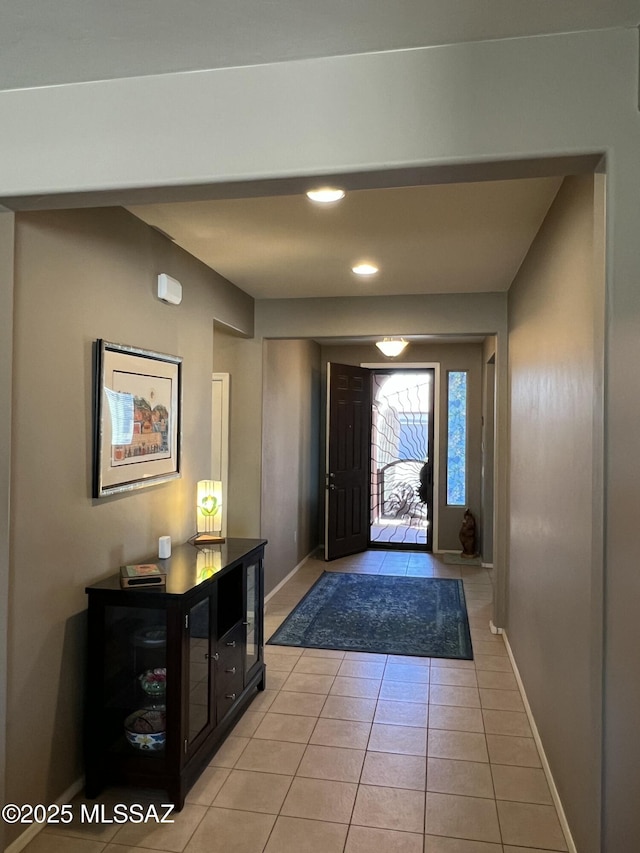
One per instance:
(325, 195)
(365, 269)
(391, 347)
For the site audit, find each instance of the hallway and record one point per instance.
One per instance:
(353, 753)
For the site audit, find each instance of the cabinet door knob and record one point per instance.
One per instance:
(230, 696)
(232, 644)
(232, 670)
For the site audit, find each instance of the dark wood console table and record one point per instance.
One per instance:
(203, 633)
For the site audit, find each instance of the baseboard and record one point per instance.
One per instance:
(36, 828)
(543, 758)
(487, 565)
(289, 576)
(494, 629)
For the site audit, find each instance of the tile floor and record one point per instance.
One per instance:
(361, 753)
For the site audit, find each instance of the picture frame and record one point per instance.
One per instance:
(137, 418)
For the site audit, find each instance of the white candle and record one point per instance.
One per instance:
(164, 547)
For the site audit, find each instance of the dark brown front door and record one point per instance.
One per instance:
(348, 456)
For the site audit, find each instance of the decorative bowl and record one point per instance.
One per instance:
(145, 729)
(154, 681)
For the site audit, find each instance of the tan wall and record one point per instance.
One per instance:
(450, 357)
(291, 447)
(555, 601)
(83, 275)
(488, 446)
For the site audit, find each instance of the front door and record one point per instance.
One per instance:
(347, 460)
(402, 458)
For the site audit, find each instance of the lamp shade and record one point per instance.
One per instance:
(391, 347)
(209, 506)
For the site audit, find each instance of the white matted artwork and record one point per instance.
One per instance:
(137, 398)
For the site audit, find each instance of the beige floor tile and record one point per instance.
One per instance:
(389, 808)
(437, 844)
(461, 746)
(48, 843)
(275, 680)
(279, 663)
(365, 839)
(331, 762)
(250, 790)
(120, 848)
(401, 713)
(497, 680)
(319, 799)
(527, 825)
(452, 663)
(302, 704)
(284, 651)
(364, 688)
(414, 673)
(472, 818)
(409, 660)
(271, 756)
(489, 647)
(172, 837)
(453, 677)
(248, 723)
(367, 657)
(508, 848)
(263, 700)
(288, 727)
(501, 700)
(361, 669)
(466, 697)
(392, 770)
(521, 784)
(419, 571)
(349, 708)
(507, 749)
(317, 665)
(229, 752)
(404, 691)
(493, 663)
(218, 832)
(455, 718)
(341, 733)
(297, 835)
(506, 723)
(323, 653)
(466, 778)
(207, 786)
(406, 740)
(303, 682)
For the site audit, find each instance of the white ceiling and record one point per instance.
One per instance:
(449, 238)
(427, 239)
(43, 43)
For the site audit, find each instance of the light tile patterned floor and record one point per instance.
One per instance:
(355, 752)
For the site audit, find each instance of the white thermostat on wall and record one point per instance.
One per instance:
(169, 290)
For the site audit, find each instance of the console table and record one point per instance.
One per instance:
(170, 669)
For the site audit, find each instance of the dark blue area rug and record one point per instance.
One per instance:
(425, 617)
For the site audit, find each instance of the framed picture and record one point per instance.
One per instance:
(137, 397)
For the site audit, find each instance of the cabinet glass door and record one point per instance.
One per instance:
(199, 669)
(252, 620)
(135, 682)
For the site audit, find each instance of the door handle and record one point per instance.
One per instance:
(232, 670)
(232, 644)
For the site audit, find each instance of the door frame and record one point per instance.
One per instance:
(220, 438)
(423, 365)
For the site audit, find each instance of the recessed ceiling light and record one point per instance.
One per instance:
(325, 195)
(365, 269)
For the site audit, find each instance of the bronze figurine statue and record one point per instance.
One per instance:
(468, 536)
